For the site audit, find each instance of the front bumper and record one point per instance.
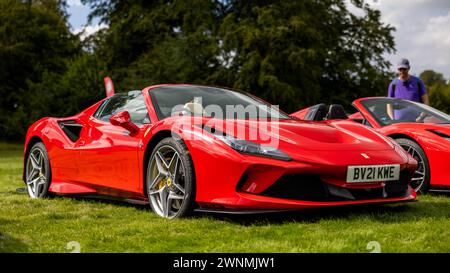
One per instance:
(252, 204)
(232, 181)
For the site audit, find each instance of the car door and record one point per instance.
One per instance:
(108, 153)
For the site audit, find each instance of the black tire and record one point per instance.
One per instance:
(187, 177)
(43, 176)
(423, 167)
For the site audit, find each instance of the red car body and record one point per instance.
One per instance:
(106, 160)
(435, 146)
(433, 138)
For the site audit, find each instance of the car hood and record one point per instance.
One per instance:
(295, 135)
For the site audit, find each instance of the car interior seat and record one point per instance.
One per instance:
(317, 112)
(194, 108)
(336, 111)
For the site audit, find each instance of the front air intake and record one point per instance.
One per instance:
(312, 188)
(298, 187)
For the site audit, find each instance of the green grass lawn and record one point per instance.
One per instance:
(49, 225)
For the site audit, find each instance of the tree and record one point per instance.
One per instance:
(66, 94)
(438, 89)
(297, 53)
(34, 41)
(440, 97)
(430, 77)
(293, 53)
(150, 42)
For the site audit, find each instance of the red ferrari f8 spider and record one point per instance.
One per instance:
(184, 147)
(421, 130)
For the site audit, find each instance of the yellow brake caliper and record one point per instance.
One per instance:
(161, 184)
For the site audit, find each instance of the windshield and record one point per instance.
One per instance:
(388, 111)
(211, 102)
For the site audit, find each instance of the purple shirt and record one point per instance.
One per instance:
(408, 90)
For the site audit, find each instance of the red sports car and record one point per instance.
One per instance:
(172, 146)
(421, 130)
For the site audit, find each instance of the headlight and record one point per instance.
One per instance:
(248, 147)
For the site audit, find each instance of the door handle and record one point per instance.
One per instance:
(81, 143)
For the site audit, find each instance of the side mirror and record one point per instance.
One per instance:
(123, 120)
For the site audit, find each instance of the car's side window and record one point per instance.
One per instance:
(133, 102)
(100, 109)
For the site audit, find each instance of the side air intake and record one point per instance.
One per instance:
(71, 128)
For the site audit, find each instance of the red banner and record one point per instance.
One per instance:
(109, 86)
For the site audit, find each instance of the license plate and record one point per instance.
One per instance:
(373, 173)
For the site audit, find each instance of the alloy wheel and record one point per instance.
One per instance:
(419, 176)
(36, 174)
(167, 187)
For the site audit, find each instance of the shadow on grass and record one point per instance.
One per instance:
(396, 213)
(10, 244)
(312, 215)
(393, 213)
(104, 200)
(437, 193)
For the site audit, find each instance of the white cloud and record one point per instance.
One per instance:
(71, 3)
(422, 32)
(436, 40)
(89, 30)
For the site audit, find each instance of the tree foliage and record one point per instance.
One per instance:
(43, 70)
(438, 90)
(292, 53)
(297, 53)
(34, 41)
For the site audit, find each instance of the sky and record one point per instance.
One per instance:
(422, 30)
(78, 18)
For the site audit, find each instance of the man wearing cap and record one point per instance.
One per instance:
(407, 87)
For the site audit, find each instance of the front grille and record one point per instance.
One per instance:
(312, 188)
(399, 187)
(298, 187)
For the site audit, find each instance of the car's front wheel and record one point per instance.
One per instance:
(170, 180)
(421, 179)
(37, 171)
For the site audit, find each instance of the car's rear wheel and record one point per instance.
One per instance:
(170, 180)
(421, 179)
(37, 171)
